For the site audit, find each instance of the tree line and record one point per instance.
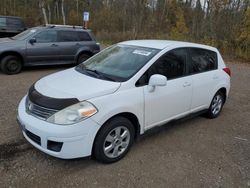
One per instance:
(221, 23)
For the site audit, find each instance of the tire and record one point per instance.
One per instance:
(82, 58)
(11, 64)
(216, 105)
(116, 144)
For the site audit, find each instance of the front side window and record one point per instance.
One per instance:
(68, 36)
(172, 65)
(202, 60)
(46, 37)
(119, 62)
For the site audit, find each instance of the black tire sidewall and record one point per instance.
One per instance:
(98, 152)
(82, 58)
(6, 60)
(210, 113)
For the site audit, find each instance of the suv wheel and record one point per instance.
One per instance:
(216, 105)
(11, 64)
(114, 140)
(82, 58)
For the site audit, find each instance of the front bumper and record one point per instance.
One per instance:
(66, 142)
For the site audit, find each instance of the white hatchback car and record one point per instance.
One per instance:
(99, 107)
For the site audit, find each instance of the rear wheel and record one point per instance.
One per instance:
(11, 64)
(114, 140)
(82, 58)
(216, 105)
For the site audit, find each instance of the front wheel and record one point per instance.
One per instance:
(82, 58)
(114, 140)
(216, 105)
(11, 64)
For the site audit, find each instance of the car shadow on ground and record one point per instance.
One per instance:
(39, 68)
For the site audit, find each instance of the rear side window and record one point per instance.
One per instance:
(46, 36)
(201, 60)
(68, 36)
(84, 36)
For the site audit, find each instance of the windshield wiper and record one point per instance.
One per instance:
(100, 74)
(96, 72)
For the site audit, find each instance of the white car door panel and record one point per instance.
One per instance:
(203, 89)
(173, 100)
(168, 102)
(203, 67)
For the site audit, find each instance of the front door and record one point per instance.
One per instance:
(45, 50)
(173, 100)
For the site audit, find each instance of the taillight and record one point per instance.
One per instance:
(228, 71)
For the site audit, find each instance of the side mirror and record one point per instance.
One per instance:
(156, 80)
(32, 41)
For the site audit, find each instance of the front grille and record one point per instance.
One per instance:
(39, 111)
(33, 137)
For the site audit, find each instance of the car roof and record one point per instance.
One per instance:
(161, 44)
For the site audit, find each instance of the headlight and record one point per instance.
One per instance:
(73, 114)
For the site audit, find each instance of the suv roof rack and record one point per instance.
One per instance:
(66, 26)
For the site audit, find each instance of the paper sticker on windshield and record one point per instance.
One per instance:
(141, 52)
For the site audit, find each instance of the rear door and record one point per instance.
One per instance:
(174, 99)
(69, 45)
(203, 69)
(45, 50)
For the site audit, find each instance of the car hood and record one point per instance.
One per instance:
(5, 40)
(6, 43)
(73, 84)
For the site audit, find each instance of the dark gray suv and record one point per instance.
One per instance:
(47, 45)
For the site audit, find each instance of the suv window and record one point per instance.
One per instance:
(202, 60)
(67, 36)
(172, 65)
(84, 36)
(14, 23)
(46, 36)
(2, 22)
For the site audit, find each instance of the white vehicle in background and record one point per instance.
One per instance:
(99, 107)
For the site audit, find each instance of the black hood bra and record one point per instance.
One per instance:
(48, 102)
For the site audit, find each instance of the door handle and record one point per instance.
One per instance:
(54, 45)
(186, 84)
(215, 77)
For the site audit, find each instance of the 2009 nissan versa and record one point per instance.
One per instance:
(99, 107)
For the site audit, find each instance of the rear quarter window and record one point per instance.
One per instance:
(84, 36)
(202, 60)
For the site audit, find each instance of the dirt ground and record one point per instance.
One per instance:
(194, 153)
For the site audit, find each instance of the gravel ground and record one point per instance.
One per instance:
(197, 152)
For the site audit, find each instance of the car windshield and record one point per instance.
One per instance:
(24, 35)
(117, 63)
